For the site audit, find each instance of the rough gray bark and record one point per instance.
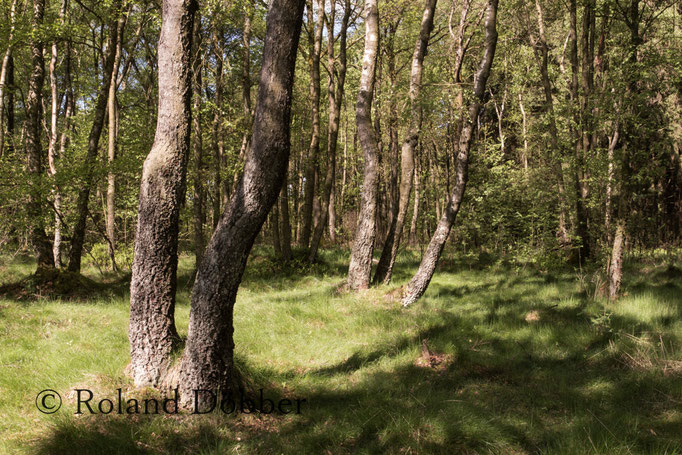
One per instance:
(360, 268)
(78, 237)
(314, 148)
(207, 362)
(384, 270)
(34, 166)
(335, 93)
(152, 330)
(418, 284)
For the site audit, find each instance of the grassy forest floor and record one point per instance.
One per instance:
(516, 360)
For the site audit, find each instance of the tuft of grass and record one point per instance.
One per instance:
(493, 359)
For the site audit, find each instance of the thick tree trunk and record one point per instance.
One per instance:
(152, 289)
(417, 286)
(314, 148)
(335, 94)
(199, 206)
(207, 362)
(360, 268)
(34, 166)
(78, 237)
(384, 270)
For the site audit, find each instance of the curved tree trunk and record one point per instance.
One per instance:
(207, 362)
(34, 166)
(388, 255)
(152, 330)
(78, 237)
(360, 268)
(335, 92)
(417, 286)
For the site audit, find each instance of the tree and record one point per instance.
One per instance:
(207, 362)
(390, 252)
(152, 329)
(360, 267)
(420, 281)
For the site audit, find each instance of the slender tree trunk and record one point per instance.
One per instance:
(52, 148)
(616, 265)
(384, 270)
(360, 268)
(314, 148)
(112, 109)
(524, 155)
(217, 139)
(207, 362)
(246, 88)
(274, 221)
(417, 286)
(542, 52)
(199, 207)
(78, 237)
(6, 60)
(415, 211)
(286, 225)
(152, 289)
(335, 94)
(34, 166)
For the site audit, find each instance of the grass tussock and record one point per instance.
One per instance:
(494, 359)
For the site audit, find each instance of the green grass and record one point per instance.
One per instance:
(531, 364)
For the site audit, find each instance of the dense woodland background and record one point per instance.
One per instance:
(525, 156)
(541, 165)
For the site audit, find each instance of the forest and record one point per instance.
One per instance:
(341, 226)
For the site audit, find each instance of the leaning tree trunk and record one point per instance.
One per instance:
(207, 362)
(360, 267)
(390, 252)
(78, 237)
(34, 166)
(335, 93)
(417, 286)
(152, 330)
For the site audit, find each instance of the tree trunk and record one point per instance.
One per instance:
(217, 139)
(6, 60)
(314, 148)
(417, 286)
(34, 166)
(207, 362)
(415, 211)
(616, 266)
(152, 289)
(246, 88)
(335, 94)
(384, 270)
(199, 207)
(360, 268)
(78, 237)
(112, 109)
(542, 52)
(286, 224)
